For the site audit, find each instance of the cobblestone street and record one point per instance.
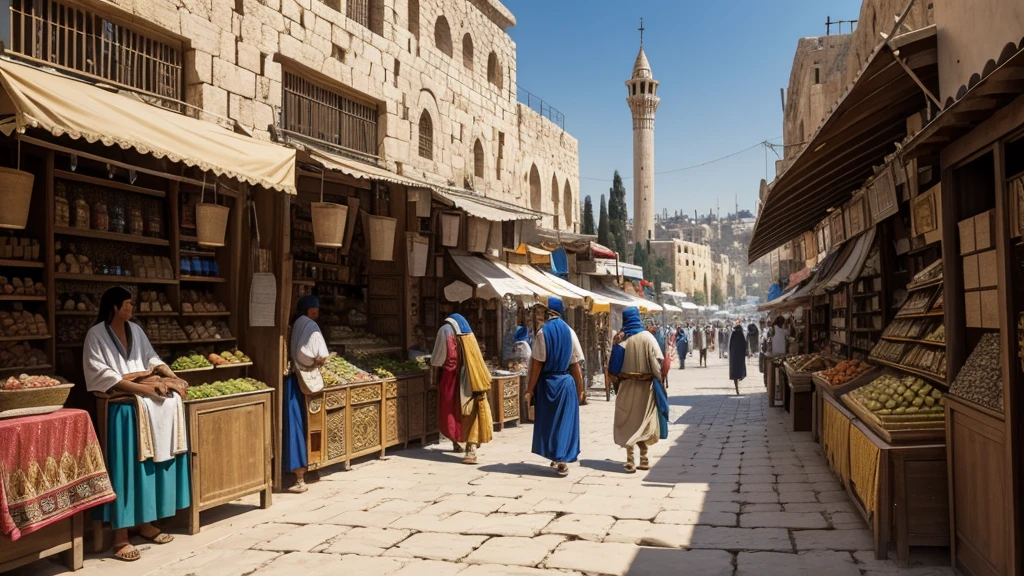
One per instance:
(730, 492)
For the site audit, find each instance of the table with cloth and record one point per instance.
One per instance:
(51, 469)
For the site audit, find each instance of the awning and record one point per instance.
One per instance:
(600, 251)
(622, 298)
(671, 308)
(690, 306)
(862, 129)
(482, 207)
(359, 170)
(780, 301)
(597, 302)
(851, 268)
(538, 278)
(1000, 83)
(493, 280)
(64, 106)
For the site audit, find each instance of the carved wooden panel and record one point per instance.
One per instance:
(510, 388)
(335, 399)
(402, 410)
(335, 434)
(365, 427)
(365, 394)
(510, 408)
(391, 389)
(416, 385)
(391, 422)
(415, 415)
(430, 417)
(315, 404)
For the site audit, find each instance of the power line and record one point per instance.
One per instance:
(765, 143)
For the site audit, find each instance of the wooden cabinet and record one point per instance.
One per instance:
(63, 537)
(978, 509)
(504, 400)
(404, 407)
(230, 440)
(345, 422)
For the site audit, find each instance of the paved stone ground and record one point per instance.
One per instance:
(731, 492)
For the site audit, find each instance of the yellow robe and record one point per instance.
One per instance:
(477, 423)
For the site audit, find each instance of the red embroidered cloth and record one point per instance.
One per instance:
(51, 467)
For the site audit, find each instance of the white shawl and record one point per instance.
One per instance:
(307, 343)
(161, 423)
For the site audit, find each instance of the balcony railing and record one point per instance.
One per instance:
(541, 107)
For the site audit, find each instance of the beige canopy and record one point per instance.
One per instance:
(65, 106)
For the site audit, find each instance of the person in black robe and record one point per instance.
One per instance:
(737, 355)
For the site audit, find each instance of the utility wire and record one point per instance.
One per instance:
(765, 143)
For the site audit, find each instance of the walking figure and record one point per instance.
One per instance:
(737, 355)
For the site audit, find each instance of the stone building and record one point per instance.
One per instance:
(424, 88)
(642, 90)
(690, 264)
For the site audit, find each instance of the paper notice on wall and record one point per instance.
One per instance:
(262, 300)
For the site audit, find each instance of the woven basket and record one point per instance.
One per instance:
(15, 197)
(328, 223)
(419, 248)
(211, 224)
(33, 398)
(381, 231)
(450, 224)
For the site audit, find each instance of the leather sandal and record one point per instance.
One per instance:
(127, 553)
(562, 469)
(158, 538)
(645, 464)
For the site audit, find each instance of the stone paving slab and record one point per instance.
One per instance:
(610, 558)
(583, 526)
(435, 546)
(803, 564)
(366, 541)
(515, 551)
(221, 563)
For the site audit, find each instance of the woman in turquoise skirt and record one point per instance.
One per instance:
(147, 447)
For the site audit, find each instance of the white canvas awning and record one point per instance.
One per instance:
(64, 106)
(360, 170)
(481, 206)
(490, 279)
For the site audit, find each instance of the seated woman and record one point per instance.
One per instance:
(147, 448)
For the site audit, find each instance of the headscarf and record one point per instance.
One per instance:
(555, 308)
(112, 299)
(306, 302)
(631, 321)
(459, 323)
(522, 334)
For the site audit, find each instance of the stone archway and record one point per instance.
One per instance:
(535, 192)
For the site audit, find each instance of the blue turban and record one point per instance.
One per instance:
(307, 302)
(631, 321)
(461, 323)
(555, 307)
(522, 334)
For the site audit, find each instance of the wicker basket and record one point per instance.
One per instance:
(381, 231)
(28, 401)
(15, 197)
(328, 223)
(418, 255)
(211, 224)
(450, 224)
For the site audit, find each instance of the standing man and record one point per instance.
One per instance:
(464, 414)
(700, 343)
(682, 346)
(641, 406)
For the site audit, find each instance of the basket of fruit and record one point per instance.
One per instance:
(900, 409)
(223, 388)
(800, 368)
(844, 377)
(191, 363)
(26, 395)
(227, 358)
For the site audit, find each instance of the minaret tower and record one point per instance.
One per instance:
(643, 103)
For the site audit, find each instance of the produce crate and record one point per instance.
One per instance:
(345, 422)
(898, 430)
(504, 399)
(841, 390)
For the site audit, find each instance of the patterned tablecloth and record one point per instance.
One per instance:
(51, 467)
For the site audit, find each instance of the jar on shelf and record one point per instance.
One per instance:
(117, 219)
(61, 208)
(81, 213)
(154, 222)
(100, 216)
(136, 224)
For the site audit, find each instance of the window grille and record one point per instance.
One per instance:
(76, 39)
(318, 112)
(478, 160)
(359, 10)
(426, 136)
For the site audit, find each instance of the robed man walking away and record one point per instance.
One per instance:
(463, 412)
(737, 355)
(641, 405)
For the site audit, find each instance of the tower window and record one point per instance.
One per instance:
(426, 148)
(643, 87)
(634, 89)
(817, 75)
(443, 36)
(501, 155)
(478, 160)
(494, 75)
(467, 51)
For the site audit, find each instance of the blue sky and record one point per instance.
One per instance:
(720, 64)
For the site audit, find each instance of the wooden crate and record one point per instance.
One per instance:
(801, 406)
(404, 409)
(504, 400)
(230, 439)
(926, 432)
(345, 422)
(63, 537)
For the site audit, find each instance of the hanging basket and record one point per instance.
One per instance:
(478, 232)
(419, 248)
(450, 224)
(328, 223)
(15, 197)
(381, 232)
(211, 224)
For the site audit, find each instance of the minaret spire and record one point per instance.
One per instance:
(642, 97)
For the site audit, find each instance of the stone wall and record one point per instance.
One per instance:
(236, 52)
(690, 264)
(555, 153)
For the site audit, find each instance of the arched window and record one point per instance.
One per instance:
(555, 196)
(494, 75)
(478, 159)
(414, 18)
(567, 204)
(535, 188)
(443, 36)
(467, 51)
(426, 136)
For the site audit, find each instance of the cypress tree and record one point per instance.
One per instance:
(588, 216)
(602, 226)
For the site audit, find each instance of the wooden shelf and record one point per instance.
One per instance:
(92, 313)
(204, 369)
(915, 371)
(108, 183)
(155, 314)
(865, 330)
(204, 314)
(914, 341)
(933, 314)
(234, 365)
(923, 285)
(304, 282)
(211, 340)
(10, 263)
(867, 295)
(23, 338)
(188, 240)
(21, 298)
(113, 236)
(111, 278)
(200, 253)
(211, 279)
(26, 369)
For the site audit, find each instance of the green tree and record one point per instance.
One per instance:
(588, 216)
(717, 298)
(659, 273)
(699, 298)
(603, 236)
(617, 214)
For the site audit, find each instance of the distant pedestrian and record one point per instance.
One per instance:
(723, 338)
(682, 346)
(752, 337)
(557, 381)
(700, 343)
(737, 355)
(779, 337)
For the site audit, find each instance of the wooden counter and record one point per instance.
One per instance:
(345, 422)
(405, 405)
(504, 400)
(63, 537)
